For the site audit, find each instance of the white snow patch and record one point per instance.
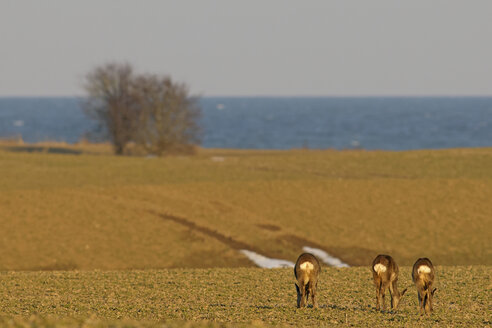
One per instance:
(265, 262)
(325, 257)
(268, 263)
(217, 159)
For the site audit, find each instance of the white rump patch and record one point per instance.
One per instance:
(423, 269)
(306, 266)
(325, 257)
(265, 262)
(379, 268)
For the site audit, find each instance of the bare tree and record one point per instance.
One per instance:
(110, 102)
(150, 111)
(169, 116)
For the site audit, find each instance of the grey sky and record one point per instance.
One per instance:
(267, 47)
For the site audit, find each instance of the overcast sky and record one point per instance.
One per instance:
(253, 47)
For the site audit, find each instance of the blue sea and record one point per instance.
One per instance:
(393, 123)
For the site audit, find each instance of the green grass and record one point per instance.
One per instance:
(246, 296)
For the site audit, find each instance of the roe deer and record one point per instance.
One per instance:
(306, 271)
(385, 274)
(423, 277)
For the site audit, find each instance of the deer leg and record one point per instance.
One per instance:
(378, 295)
(432, 291)
(421, 302)
(298, 296)
(303, 296)
(392, 291)
(383, 296)
(377, 300)
(312, 287)
(431, 296)
(428, 303)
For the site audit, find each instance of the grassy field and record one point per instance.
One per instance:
(233, 297)
(130, 235)
(78, 207)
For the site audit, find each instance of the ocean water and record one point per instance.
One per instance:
(395, 123)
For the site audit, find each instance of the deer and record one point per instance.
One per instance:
(423, 277)
(306, 271)
(385, 274)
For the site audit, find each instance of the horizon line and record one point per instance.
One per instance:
(287, 96)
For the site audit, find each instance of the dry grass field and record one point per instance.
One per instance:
(88, 239)
(233, 297)
(79, 207)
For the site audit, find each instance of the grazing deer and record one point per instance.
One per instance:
(385, 274)
(423, 277)
(306, 271)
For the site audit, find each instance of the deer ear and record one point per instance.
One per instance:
(434, 291)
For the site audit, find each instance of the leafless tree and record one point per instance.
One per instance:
(151, 112)
(169, 116)
(109, 101)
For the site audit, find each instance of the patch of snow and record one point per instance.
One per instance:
(325, 257)
(217, 159)
(268, 263)
(265, 262)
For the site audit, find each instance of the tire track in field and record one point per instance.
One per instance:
(229, 241)
(293, 240)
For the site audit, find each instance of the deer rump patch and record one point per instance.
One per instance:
(379, 268)
(423, 269)
(306, 266)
